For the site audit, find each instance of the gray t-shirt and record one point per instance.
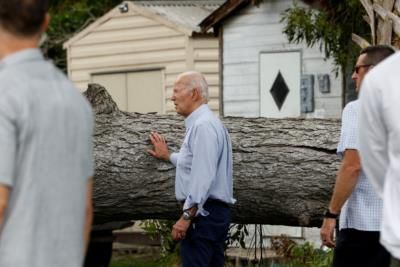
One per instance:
(45, 158)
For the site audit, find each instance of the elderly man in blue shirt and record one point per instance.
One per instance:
(203, 181)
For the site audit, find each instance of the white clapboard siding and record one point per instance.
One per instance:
(131, 59)
(206, 60)
(126, 47)
(258, 29)
(130, 42)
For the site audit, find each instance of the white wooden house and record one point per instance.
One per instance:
(262, 73)
(138, 48)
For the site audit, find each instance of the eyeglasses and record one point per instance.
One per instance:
(357, 68)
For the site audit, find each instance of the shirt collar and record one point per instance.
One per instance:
(191, 119)
(31, 54)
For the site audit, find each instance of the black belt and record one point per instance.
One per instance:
(212, 201)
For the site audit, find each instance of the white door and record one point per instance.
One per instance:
(115, 83)
(145, 91)
(280, 75)
(139, 91)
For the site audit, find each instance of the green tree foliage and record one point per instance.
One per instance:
(330, 28)
(162, 228)
(67, 18)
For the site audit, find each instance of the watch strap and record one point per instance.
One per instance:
(330, 215)
(187, 216)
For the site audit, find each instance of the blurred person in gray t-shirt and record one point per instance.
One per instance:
(46, 160)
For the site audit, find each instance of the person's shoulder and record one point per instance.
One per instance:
(386, 69)
(75, 97)
(9, 85)
(208, 118)
(67, 83)
(208, 122)
(8, 79)
(204, 121)
(351, 107)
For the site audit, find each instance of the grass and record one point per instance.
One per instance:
(133, 261)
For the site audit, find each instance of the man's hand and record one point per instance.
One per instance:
(4, 195)
(160, 150)
(326, 233)
(179, 229)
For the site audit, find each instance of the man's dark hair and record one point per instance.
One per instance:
(23, 17)
(376, 53)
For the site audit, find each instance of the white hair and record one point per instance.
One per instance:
(197, 80)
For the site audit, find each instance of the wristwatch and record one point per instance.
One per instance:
(186, 216)
(330, 215)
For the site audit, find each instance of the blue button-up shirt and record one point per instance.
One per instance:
(204, 162)
(363, 209)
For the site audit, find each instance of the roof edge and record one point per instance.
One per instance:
(223, 12)
(92, 26)
(141, 10)
(147, 13)
(231, 6)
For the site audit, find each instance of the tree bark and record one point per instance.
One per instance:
(284, 169)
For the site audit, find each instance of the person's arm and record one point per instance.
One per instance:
(180, 227)
(88, 212)
(373, 134)
(4, 193)
(205, 149)
(346, 180)
(204, 146)
(347, 175)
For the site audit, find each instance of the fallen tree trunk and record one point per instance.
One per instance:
(284, 169)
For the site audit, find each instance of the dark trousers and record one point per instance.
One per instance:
(205, 239)
(359, 249)
(100, 249)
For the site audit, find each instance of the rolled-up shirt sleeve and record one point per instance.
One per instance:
(174, 158)
(204, 165)
(348, 136)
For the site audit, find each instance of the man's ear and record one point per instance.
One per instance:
(196, 94)
(45, 23)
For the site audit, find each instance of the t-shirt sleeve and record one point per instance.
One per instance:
(8, 139)
(348, 136)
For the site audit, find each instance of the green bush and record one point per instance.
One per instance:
(299, 255)
(169, 255)
(306, 255)
(131, 261)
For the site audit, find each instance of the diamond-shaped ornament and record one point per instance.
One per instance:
(279, 90)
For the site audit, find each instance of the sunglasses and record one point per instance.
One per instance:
(357, 68)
